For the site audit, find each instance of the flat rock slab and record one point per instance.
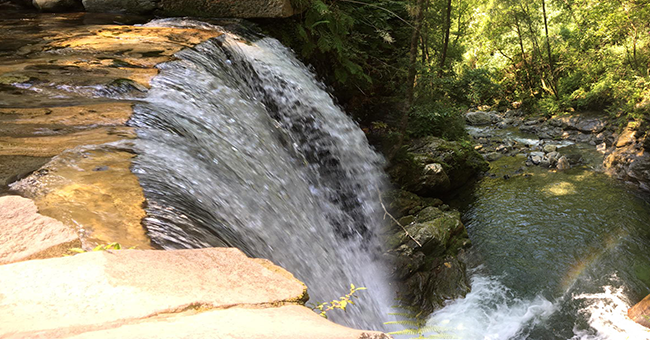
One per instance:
(25, 234)
(285, 322)
(93, 291)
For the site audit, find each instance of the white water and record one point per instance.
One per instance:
(490, 312)
(606, 313)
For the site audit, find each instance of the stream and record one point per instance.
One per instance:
(555, 255)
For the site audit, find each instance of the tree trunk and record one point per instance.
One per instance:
(523, 56)
(548, 50)
(410, 78)
(445, 43)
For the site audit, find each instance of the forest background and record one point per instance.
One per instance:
(409, 68)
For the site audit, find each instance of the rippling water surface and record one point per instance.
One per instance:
(558, 255)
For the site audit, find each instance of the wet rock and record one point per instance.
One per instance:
(26, 234)
(574, 159)
(640, 313)
(478, 118)
(429, 273)
(105, 206)
(445, 281)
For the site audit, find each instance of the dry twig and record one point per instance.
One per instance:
(395, 220)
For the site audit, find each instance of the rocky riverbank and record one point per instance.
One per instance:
(426, 239)
(623, 150)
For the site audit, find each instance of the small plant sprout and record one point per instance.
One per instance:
(342, 303)
(101, 247)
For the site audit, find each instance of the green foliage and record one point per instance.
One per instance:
(101, 247)
(414, 323)
(342, 303)
(599, 52)
(436, 118)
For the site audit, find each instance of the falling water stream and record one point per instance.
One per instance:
(240, 146)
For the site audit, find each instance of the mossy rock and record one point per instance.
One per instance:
(402, 202)
(459, 161)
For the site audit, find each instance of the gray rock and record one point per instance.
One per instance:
(514, 113)
(493, 156)
(563, 164)
(535, 159)
(57, 5)
(478, 118)
(502, 148)
(550, 148)
(545, 162)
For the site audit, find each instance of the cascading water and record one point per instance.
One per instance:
(240, 146)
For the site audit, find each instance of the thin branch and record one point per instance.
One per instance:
(396, 221)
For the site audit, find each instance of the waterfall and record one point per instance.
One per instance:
(239, 145)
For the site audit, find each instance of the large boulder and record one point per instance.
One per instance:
(478, 118)
(226, 8)
(640, 313)
(582, 123)
(25, 234)
(157, 294)
(628, 160)
(432, 166)
(57, 5)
